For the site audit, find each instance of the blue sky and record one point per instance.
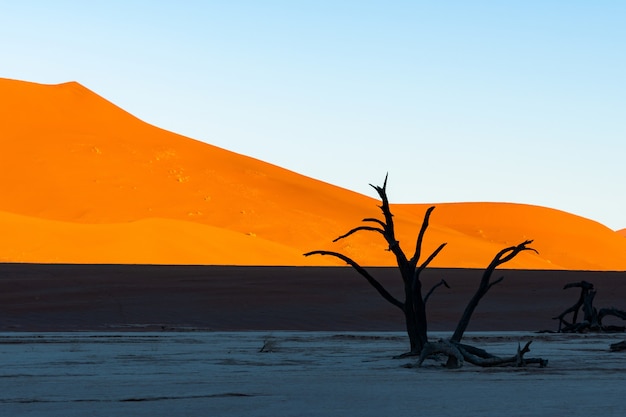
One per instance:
(459, 101)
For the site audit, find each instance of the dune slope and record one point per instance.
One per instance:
(87, 182)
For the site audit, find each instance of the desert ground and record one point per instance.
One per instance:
(147, 340)
(300, 374)
(143, 297)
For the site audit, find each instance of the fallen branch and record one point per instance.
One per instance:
(442, 346)
(458, 353)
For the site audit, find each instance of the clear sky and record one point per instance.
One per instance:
(519, 101)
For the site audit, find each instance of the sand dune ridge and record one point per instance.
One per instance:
(87, 182)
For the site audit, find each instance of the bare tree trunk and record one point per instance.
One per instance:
(419, 311)
(415, 346)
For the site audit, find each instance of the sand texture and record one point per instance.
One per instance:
(86, 182)
(304, 374)
(143, 297)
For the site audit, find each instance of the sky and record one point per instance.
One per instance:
(515, 101)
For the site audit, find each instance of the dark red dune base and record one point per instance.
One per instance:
(35, 297)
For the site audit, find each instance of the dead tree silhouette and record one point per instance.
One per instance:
(413, 304)
(592, 317)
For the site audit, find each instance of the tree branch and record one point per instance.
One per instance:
(420, 237)
(373, 282)
(437, 285)
(390, 235)
(445, 347)
(501, 257)
(612, 311)
(494, 283)
(430, 259)
(357, 229)
(373, 220)
(517, 360)
(581, 284)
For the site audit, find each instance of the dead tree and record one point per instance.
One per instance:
(592, 317)
(413, 305)
(585, 289)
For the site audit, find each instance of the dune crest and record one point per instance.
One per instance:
(87, 182)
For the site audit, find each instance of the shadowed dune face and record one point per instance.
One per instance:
(622, 232)
(86, 182)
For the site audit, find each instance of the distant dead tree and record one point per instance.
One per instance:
(592, 317)
(413, 304)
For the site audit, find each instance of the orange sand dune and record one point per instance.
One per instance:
(622, 232)
(86, 182)
(142, 242)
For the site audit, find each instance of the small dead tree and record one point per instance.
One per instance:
(592, 317)
(413, 305)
